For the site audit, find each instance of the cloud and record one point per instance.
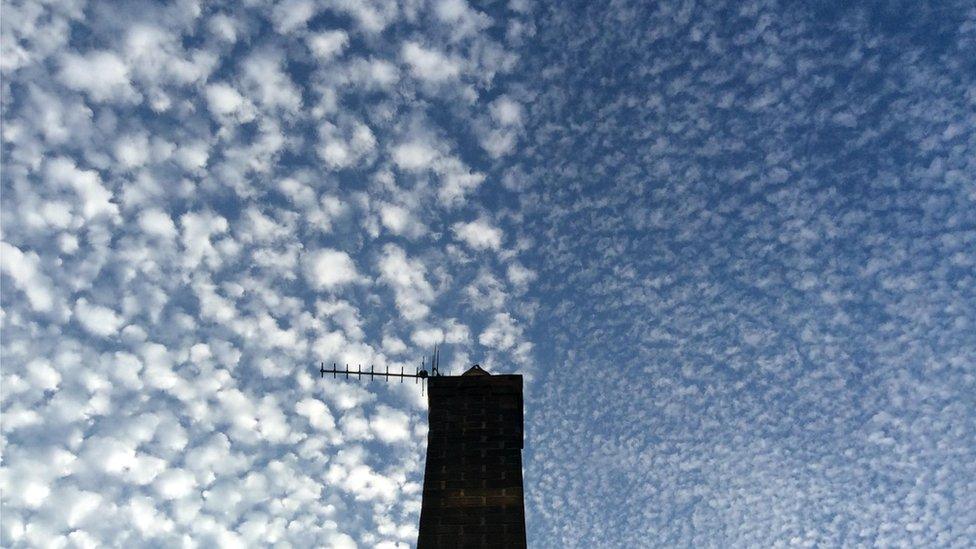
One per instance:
(372, 16)
(132, 151)
(226, 102)
(327, 269)
(461, 18)
(390, 425)
(407, 278)
(156, 222)
(24, 269)
(102, 75)
(479, 234)
(174, 484)
(96, 319)
(520, 276)
(760, 221)
(292, 15)
(414, 155)
(430, 65)
(198, 228)
(268, 84)
(329, 44)
(400, 221)
(502, 333)
(42, 375)
(317, 413)
(156, 59)
(344, 148)
(96, 200)
(196, 201)
(506, 111)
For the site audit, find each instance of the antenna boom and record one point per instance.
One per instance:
(359, 373)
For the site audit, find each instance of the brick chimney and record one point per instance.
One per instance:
(473, 478)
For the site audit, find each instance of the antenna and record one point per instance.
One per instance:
(419, 376)
(435, 362)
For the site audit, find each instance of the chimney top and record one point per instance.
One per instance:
(475, 370)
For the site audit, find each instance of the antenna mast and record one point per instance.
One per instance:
(419, 376)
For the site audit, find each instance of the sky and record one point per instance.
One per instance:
(731, 247)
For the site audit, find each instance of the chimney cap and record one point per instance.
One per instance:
(476, 370)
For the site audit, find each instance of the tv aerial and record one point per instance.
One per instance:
(420, 375)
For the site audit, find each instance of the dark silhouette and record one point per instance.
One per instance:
(473, 479)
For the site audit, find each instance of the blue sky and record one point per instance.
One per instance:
(730, 245)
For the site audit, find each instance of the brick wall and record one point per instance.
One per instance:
(473, 478)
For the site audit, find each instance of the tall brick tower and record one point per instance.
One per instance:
(473, 478)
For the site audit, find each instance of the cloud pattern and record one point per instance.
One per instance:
(201, 202)
(730, 245)
(755, 224)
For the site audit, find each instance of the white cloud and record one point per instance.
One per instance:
(132, 150)
(336, 154)
(192, 156)
(103, 75)
(198, 229)
(96, 199)
(460, 19)
(451, 10)
(400, 221)
(407, 278)
(500, 140)
(179, 265)
(414, 155)
(457, 181)
(426, 338)
(268, 84)
(145, 517)
(329, 44)
(343, 148)
(156, 222)
(479, 234)
(24, 269)
(155, 58)
(456, 333)
(503, 333)
(75, 507)
(393, 345)
(373, 16)
(506, 111)
(428, 64)
(390, 425)
(175, 484)
(327, 269)
(317, 413)
(372, 73)
(368, 485)
(42, 375)
(225, 101)
(224, 27)
(519, 276)
(498, 143)
(96, 319)
(291, 15)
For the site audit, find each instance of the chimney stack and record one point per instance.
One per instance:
(473, 477)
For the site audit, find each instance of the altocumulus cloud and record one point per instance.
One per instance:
(729, 245)
(327, 269)
(201, 202)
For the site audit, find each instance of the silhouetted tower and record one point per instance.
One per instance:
(473, 477)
